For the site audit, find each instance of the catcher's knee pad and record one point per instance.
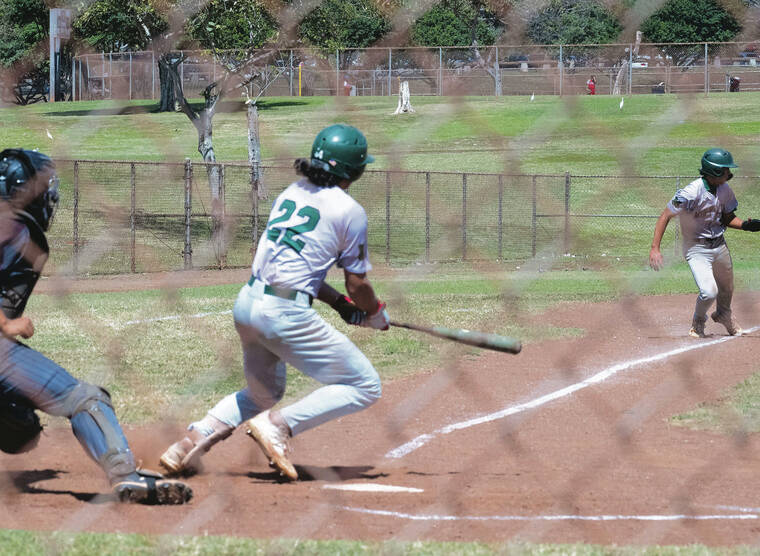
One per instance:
(19, 426)
(95, 402)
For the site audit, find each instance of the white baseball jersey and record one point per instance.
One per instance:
(700, 210)
(311, 228)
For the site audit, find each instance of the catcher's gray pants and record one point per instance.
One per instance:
(713, 272)
(274, 331)
(45, 385)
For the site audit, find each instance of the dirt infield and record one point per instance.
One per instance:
(552, 459)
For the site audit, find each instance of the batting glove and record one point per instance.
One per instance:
(379, 320)
(348, 311)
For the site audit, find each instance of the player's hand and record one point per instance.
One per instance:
(379, 320)
(655, 259)
(21, 326)
(348, 311)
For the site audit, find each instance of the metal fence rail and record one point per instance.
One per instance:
(119, 217)
(493, 70)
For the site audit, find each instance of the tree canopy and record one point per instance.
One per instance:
(114, 25)
(23, 26)
(573, 22)
(690, 21)
(232, 24)
(456, 23)
(343, 24)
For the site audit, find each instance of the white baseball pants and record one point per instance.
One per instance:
(713, 272)
(274, 331)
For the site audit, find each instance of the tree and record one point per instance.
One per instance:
(232, 24)
(456, 23)
(338, 24)
(691, 21)
(115, 25)
(573, 22)
(23, 49)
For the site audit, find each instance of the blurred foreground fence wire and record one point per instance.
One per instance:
(120, 217)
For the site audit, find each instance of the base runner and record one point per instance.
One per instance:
(706, 207)
(314, 224)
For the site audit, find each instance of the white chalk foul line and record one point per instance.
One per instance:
(560, 517)
(601, 376)
(371, 487)
(177, 317)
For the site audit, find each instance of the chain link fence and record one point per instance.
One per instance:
(121, 217)
(491, 70)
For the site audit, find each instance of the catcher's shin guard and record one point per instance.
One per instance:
(97, 429)
(184, 457)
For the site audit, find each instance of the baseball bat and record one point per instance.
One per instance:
(469, 337)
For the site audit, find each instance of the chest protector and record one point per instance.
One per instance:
(18, 278)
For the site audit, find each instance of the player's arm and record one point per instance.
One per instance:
(655, 256)
(730, 220)
(347, 310)
(10, 328)
(363, 295)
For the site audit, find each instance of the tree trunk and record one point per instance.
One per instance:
(167, 76)
(254, 149)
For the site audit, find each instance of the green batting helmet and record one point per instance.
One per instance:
(341, 150)
(714, 160)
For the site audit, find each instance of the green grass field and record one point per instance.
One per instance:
(174, 368)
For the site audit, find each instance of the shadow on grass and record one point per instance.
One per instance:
(229, 106)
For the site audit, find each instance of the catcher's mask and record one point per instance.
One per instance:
(341, 150)
(714, 161)
(18, 170)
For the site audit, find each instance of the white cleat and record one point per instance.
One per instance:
(697, 329)
(727, 320)
(273, 441)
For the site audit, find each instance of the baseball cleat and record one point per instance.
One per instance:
(149, 487)
(727, 320)
(273, 441)
(697, 329)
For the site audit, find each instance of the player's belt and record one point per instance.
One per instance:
(283, 293)
(712, 242)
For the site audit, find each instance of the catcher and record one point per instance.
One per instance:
(28, 379)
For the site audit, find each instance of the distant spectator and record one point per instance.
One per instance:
(347, 86)
(591, 85)
(733, 84)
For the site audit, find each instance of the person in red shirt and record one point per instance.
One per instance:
(591, 85)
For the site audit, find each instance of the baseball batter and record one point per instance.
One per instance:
(314, 224)
(28, 379)
(706, 207)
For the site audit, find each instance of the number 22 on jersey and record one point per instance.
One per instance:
(290, 236)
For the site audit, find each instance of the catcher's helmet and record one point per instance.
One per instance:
(17, 170)
(341, 150)
(714, 160)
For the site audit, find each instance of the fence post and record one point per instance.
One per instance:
(390, 60)
(337, 72)
(188, 249)
(110, 74)
(427, 217)
(76, 218)
(630, 69)
(74, 79)
(387, 217)
(677, 228)
(566, 245)
(132, 216)
(130, 76)
(152, 74)
(707, 74)
(290, 73)
(464, 217)
(255, 203)
(533, 221)
(440, 71)
(103, 74)
(561, 70)
(500, 225)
